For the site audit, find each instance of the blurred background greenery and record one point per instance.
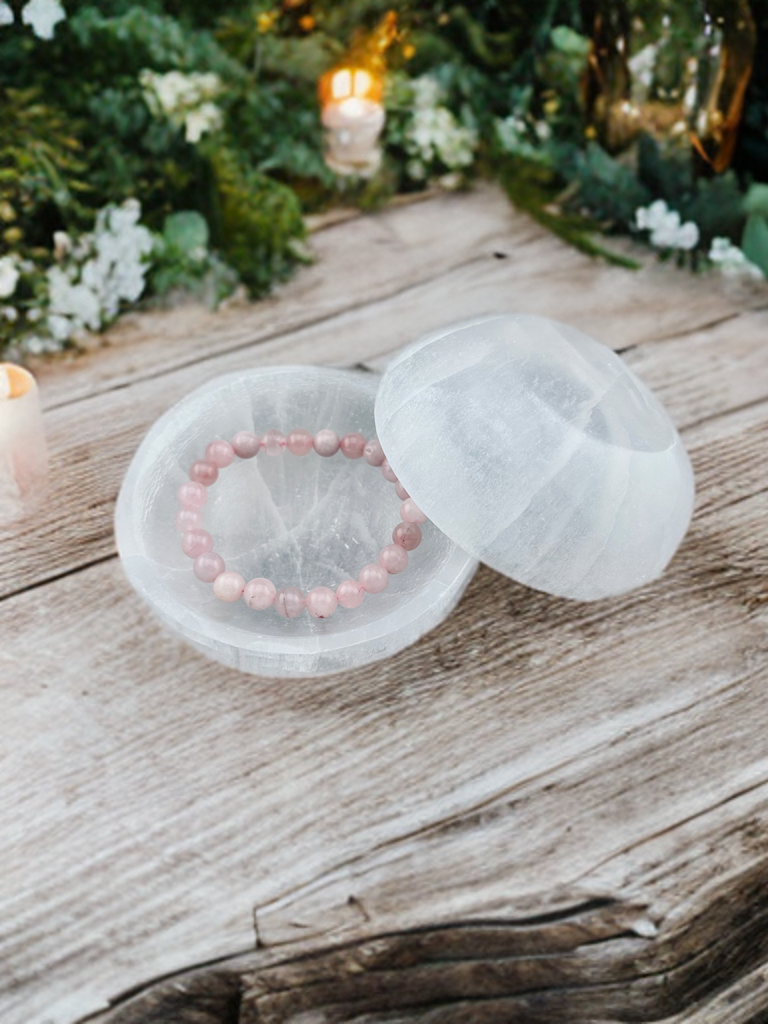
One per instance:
(174, 147)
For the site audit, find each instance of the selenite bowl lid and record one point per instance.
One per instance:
(538, 451)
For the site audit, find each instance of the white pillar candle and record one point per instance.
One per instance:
(23, 450)
(353, 127)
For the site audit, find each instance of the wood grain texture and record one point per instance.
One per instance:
(543, 811)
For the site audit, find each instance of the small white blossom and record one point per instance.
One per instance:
(206, 118)
(731, 259)
(665, 227)
(9, 276)
(9, 313)
(62, 245)
(186, 100)
(43, 16)
(112, 269)
(6, 14)
(642, 67)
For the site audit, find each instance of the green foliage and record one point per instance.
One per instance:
(183, 262)
(258, 224)
(536, 189)
(40, 168)
(754, 243)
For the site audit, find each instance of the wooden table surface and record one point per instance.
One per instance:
(543, 812)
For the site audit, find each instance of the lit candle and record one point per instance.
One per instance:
(353, 117)
(23, 451)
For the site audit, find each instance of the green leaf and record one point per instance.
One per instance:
(186, 230)
(756, 200)
(567, 41)
(754, 241)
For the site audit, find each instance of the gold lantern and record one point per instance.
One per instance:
(677, 71)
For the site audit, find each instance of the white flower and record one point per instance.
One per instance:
(731, 259)
(667, 232)
(187, 100)
(426, 92)
(62, 245)
(108, 267)
(9, 276)
(688, 236)
(6, 14)
(43, 16)
(206, 118)
(9, 313)
(642, 67)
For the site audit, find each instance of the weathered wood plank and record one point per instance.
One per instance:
(495, 258)
(93, 440)
(194, 794)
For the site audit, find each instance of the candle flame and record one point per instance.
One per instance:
(15, 381)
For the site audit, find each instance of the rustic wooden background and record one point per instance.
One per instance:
(543, 812)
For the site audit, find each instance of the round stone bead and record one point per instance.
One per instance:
(196, 542)
(274, 442)
(192, 494)
(204, 472)
(373, 453)
(407, 535)
(374, 578)
(189, 519)
(289, 602)
(326, 443)
(411, 513)
(353, 446)
(300, 442)
(401, 492)
(229, 586)
(321, 602)
(387, 472)
(393, 558)
(208, 566)
(245, 444)
(350, 594)
(259, 594)
(220, 453)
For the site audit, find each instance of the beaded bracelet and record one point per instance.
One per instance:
(260, 593)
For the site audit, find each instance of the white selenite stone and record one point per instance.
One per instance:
(538, 451)
(300, 521)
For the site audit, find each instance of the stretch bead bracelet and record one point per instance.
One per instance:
(260, 593)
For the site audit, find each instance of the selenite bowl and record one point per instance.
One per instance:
(300, 521)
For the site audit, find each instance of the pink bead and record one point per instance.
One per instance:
(259, 594)
(208, 566)
(407, 535)
(374, 578)
(350, 594)
(274, 442)
(220, 453)
(204, 472)
(196, 542)
(411, 513)
(393, 558)
(289, 602)
(373, 453)
(192, 495)
(401, 492)
(229, 586)
(387, 472)
(245, 444)
(300, 442)
(353, 446)
(321, 602)
(326, 443)
(189, 519)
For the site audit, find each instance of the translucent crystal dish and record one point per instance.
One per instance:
(303, 521)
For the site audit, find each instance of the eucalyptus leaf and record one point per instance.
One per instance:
(186, 231)
(754, 242)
